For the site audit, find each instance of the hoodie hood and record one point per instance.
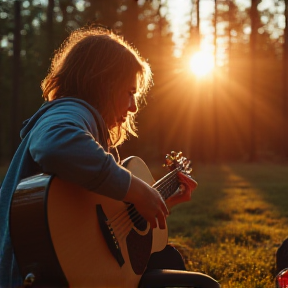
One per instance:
(30, 123)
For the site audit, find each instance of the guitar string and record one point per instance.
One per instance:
(166, 190)
(131, 219)
(164, 183)
(167, 183)
(166, 178)
(165, 187)
(121, 213)
(123, 229)
(170, 179)
(124, 217)
(121, 223)
(132, 215)
(135, 217)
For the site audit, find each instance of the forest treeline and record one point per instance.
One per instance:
(240, 112)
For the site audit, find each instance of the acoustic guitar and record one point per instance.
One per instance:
(64, 235)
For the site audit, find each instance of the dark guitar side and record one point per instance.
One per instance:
(29, 231)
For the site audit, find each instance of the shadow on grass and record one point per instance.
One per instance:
(271, 182)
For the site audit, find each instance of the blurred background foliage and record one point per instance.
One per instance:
(238, 112)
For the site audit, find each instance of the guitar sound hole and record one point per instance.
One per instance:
(139, 222)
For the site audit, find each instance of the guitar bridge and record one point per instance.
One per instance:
(109, 236)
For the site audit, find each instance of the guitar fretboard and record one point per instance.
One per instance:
(168, 184)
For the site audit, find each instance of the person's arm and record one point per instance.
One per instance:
(63, 146)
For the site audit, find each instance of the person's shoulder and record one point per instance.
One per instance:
(78, 111)
(70, 105)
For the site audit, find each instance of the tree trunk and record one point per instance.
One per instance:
(215, 106)
(284, 129)
(15, 111)
(197, 36)
(253, 36)
(50, 27)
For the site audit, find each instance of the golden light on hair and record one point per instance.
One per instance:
(202, 63)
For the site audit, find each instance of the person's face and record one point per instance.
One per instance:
(126, 101)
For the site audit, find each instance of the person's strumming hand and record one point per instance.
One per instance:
(148, 202)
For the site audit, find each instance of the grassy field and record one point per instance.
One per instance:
(237, 218)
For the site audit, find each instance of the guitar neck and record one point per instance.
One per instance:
(168, 184)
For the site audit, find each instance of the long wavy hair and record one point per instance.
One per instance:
(92, 64)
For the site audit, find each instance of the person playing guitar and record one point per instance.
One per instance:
(92, 92)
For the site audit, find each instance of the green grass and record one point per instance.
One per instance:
(236, 219)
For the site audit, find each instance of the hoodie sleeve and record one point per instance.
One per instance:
(63, 145)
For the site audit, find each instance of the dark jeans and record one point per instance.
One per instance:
(166, 269)
(282, 256)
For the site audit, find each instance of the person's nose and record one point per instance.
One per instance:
(132, 105)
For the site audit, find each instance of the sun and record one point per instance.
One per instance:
(202, 63)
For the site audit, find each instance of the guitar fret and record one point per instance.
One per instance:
(168, 184)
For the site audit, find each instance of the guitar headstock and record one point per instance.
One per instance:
(176, 160)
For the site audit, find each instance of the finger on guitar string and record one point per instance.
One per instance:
(187, 181)
(147, 202)
(186, 187)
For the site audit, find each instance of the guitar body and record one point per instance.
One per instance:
(96, 241)
(82, 250)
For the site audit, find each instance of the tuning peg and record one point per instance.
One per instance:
(188, 170)
(179, 155)
(176, 160)
(169, 161)
(173, 153)
(169, 158)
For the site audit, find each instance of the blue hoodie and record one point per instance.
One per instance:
(67, 138)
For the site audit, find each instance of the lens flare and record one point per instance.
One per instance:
(202, 63)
